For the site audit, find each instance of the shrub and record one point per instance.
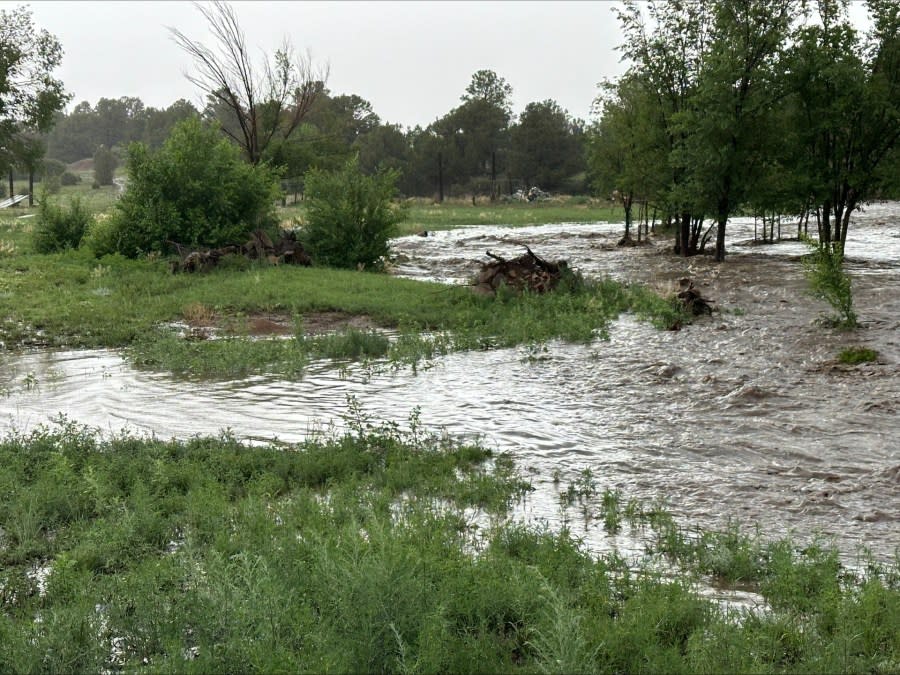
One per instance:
(102, 236)
(105, 164)
(69, 178)
(58, 228)
(854, 355)
(196, 190)
(350, 217)
(53, 167)
(828, 281)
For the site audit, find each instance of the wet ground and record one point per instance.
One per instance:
(743, 416)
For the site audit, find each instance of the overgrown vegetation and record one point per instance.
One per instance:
(350, 217)
(828, 281)
(854, 355)
(59, 227)
(359, 553)
(196, 190)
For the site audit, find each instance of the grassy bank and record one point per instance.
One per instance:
(74, 300)
(427, 215)
(359, 554)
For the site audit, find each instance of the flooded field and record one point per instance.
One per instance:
(744, 416)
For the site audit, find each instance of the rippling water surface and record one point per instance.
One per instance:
(743, 416)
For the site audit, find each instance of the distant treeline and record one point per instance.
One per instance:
(477, 148)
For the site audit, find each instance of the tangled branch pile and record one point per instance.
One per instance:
(526, 272)
(259, 247)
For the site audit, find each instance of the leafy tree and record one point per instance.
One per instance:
(544, 146)
(490, 88)
(105, 164)
(350, 218)
(626, 148)
(262, 104)
(847, 109)
(195, 190)
(669, 60)
(733, 103)
(29, 94)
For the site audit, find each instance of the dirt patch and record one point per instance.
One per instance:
(316, 323)
(260, 324)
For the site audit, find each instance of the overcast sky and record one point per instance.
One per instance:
(411, 60)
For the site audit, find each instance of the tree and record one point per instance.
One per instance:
(489, 87)
(733, 102)
(105, 164)
(544, 148)
(847, 109)
(263, 104)
(29, 94)
(195, 190)
(627, 148)
(669, 61)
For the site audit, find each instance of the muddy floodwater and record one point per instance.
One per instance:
(744, 416)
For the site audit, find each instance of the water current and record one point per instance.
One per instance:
(744, 416)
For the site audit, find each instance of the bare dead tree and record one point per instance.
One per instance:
(266, 103)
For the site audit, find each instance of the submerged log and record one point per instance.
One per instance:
(259, 247)
(526, 272)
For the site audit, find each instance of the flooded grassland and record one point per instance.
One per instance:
(745, 416)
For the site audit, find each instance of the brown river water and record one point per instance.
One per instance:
(743, 416)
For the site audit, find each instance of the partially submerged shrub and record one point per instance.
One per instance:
(828, 281)
(350, 217)
(58, 228)
(196, 190)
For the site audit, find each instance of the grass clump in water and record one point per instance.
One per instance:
(855, 355)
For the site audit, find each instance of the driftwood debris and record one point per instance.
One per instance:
(259, 247)
(692, 299)
(526, 272)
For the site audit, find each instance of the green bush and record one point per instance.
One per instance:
(102, 236)
(350, 217)
(58, 228)
(828, 281)
(854, 355)
(69, 178)
(196, 190)
(53, 167)
(105, 163)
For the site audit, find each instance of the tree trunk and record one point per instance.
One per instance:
(30, 187)
(684, 233)
(493, 176)
(440, 178)
(11, 189)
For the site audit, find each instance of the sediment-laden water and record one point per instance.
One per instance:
(743, 416)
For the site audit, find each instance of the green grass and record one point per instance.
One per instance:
(71, 299)
(357, 553)
(854, 355)
(425, 215)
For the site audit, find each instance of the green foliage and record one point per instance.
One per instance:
(68, 179)
(28, 56)
(196, 190)
(356, 553)
(53, 168)
(59, 228)
(824, 269)
(105, 163)
(854, 355)
(350, 217)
